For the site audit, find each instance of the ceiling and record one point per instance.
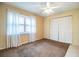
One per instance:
(35, 7)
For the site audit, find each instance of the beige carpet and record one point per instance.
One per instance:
(41, 48)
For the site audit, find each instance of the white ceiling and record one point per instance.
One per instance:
(35, 7)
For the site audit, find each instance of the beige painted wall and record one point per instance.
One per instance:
(24, 39)
(75, 23)
(47, 27)
(2, 27)
(3, 9)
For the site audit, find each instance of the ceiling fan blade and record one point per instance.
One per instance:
(44, 8)
(48, 4)
(54, 7)
(49, 8)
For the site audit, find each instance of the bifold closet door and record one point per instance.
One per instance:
(54, 30)
(68, 29)
(65, 29)
(61, 29)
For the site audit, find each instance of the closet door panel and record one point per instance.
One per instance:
(54, 30)
(61, 30)
(65, 30)
(68, 29)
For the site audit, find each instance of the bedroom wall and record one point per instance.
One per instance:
(75, 24)
(3, 9)
(2, 28)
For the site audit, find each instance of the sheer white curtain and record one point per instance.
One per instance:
(12, 30)
(17, 25)
(31, 28)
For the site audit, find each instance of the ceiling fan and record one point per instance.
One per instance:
(48, 9)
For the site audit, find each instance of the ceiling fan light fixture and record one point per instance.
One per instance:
(48, 11)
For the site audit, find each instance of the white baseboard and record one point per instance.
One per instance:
(2, 48)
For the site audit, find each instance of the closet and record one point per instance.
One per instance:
(61, 29)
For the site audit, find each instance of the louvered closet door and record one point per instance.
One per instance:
(68, 29)
(65, 29)
(54, 30)
(62, 29)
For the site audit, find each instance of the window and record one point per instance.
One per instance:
(20, 24)
(30, 25)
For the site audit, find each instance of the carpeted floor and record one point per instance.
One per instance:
(41, 48)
